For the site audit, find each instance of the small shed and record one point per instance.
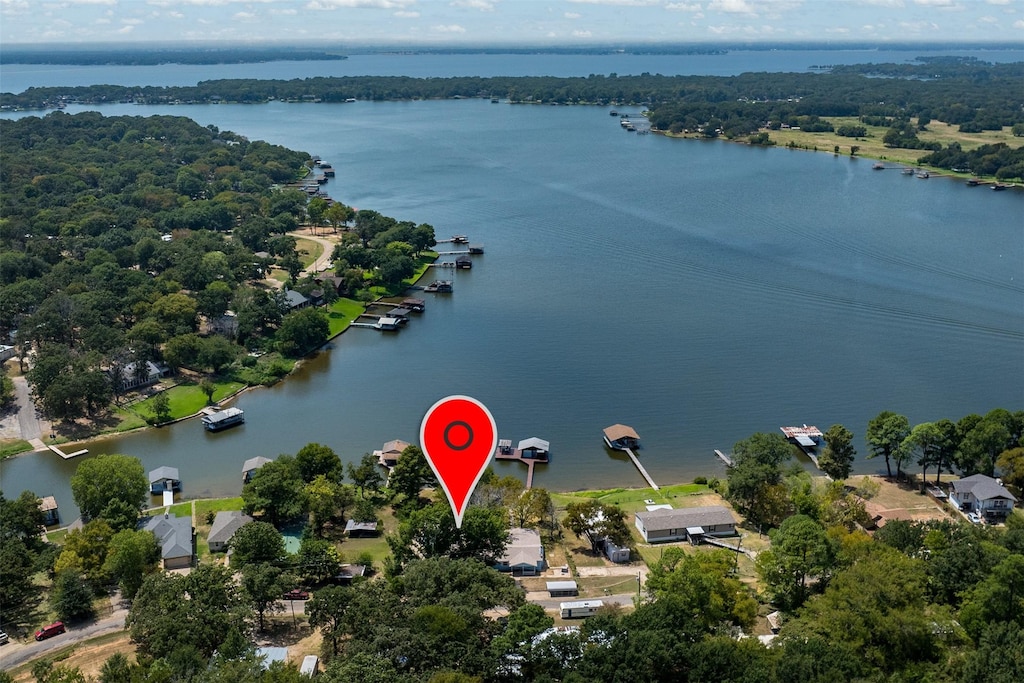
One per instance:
(534, 449)
(463, 263)
(48, 506)
(562, 589)
(164, 479)
(251, 465)
(615, 553)
(356, 529)
(621, 437)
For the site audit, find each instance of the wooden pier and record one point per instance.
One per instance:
(636, 461)
(518, 455)
(67, 456)
(725, 458)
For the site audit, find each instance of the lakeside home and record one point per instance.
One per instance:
(686, 524)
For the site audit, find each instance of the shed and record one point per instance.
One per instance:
(356, 529)
(225, 524)
(464, 262)
(164, 479)
(251, 465)
(621, 437)
(534, 449)
(560, 589)
(389, 454)
(348, 572)
(48, 506)
(294, 300)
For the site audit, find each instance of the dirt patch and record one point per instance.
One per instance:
(902, 501)
(88, 657)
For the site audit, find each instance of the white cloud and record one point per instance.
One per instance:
(482, 5)
(573, 15)
(683, 6)
(1019, 23)
(131, 22)
(839, 30)
(731, 7)
(126, 30)
(620, 3)
(988, 20)
(881, 3)
(90, 2)
(448, 28)
(291, 11)
(358, 4)
(935, 3)
(581, 34)
(998, 2)
(176, 15)
(406, 14)
(244, 16)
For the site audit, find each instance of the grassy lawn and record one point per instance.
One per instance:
(88, 655)
(188, 398)
(205, 506)
(341, 313)
(634, 500)
(9, 447)
(352, 548)
(308, 250)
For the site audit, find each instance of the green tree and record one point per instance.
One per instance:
(302, 331)
(275, 490)
(999, 657)
(130, 556)
(71, 598)
(97, 481)
(263, 585)
(799, 550)
(431, 532)
(366, 475)
(836, 460)
(85, 550)
(755, 477)
(925, 440)
(315, 459)
(325, 500)
(208, 388)
(317, 560)
(999, 598)
(256, 543)
(161, 407)
(409, 476)
(327, 610)
(1011, 465)
(885, 435)
(531, 508)
(982, 444)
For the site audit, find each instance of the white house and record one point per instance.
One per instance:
(984, 495)
(524, 554)
(687, 523)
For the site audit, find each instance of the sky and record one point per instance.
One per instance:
(494, 22)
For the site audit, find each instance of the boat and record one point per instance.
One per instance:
(494, 100)
(998, 187)
(879, 166)
(460, 239)
(923, 175)
(216, 420)
(907, 171)
(613, 113)
(440, 286)
(973, 182)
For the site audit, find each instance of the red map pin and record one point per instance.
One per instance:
(458, 436)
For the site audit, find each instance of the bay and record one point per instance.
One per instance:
(698, 291)
(16, 78)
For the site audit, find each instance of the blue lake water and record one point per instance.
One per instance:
(698, 291)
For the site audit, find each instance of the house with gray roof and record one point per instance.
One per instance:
(225, 524)
(685, 524)
(250, 466)
(984, 495)
(295, 300)
(524, 554)
(175, 537)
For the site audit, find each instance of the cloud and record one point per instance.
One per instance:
(731, 7)
(245, 15)
(840, 30)
(998, 2)
(482, 5)
(1019, 23)
(881, 3)
(683, 6)
(620, 3)
(573, 15)
(935, 3)
(406, 14)
(126, 30)
(131, 22)
(358, 4)
(581, 34)
(448, 28)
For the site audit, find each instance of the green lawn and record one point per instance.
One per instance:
(631, 500)
(188, 398)
(214, 505)
(341, 313)
(9, 447)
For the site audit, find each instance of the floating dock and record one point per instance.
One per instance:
(725, 458)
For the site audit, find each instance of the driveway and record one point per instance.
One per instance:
(28, 421)
(19, 652)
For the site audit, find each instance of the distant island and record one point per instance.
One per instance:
(147, 56)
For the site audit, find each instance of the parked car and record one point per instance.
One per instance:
(54, 629)
(974, 517)
(4, 638)
(296, 594)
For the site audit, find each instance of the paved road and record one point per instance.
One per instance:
(28, 420)
(617, 599)
(15, 653)
(321, 262)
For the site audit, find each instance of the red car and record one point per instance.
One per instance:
(54, 629)
(296, 594)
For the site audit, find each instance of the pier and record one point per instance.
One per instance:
(67, 456)
(725, 458)
(636, 461)
(530, 452)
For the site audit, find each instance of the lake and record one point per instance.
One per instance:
(697, 291)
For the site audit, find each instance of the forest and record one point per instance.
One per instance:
(126, 240)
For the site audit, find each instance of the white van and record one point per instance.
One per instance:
(310, 666)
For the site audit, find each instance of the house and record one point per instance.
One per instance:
(225, 524)
(48, 506)
(225, 325)
(389, 454)
(534, 449)
(562, 589)
(356, 529)
(175, 537)
(685, 524)
(134, 375)
(294, 301)
(984, 495)
(316, 297)
(621, 437)
(250, 466)
(348, 572)
(164, 479)
(524, 554)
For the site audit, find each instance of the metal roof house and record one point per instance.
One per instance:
(176, 539)
(685, 524)
(562, 589)
(250, 466)
(534, 449)
(984, 495)
(356, 529)
(164, 479)
(225, 524)
(389, 454)
(621, 437)
(524, 554)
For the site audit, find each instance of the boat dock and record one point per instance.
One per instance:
(529, 452)
(725, 458)
(806, 439)
(67, 456)
(636, 461)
